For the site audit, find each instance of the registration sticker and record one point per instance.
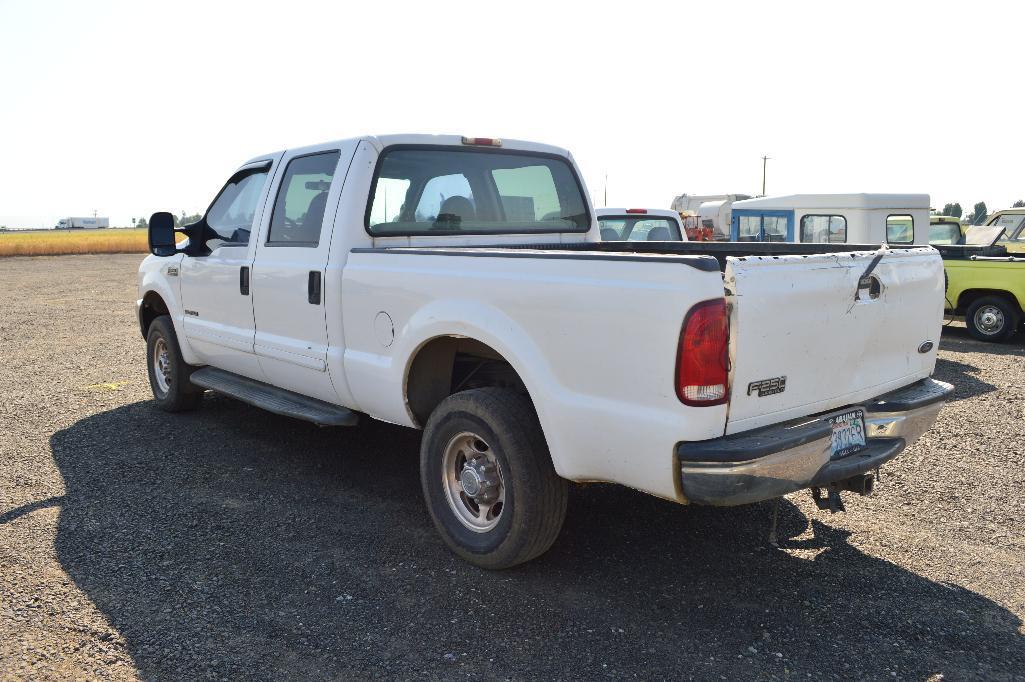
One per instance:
(848, 432)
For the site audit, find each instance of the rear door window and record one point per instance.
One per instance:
(750, 228)
(900, 229)
(823, 229)
(302, 200)
(775, 228)
(452, 190)
(763, 227)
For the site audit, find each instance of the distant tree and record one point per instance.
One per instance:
(142, 223)
(1018, 204)
(979, 214)
(189, 219)
(947, 208)
(955, 210)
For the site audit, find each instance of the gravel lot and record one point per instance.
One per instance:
(231, 543)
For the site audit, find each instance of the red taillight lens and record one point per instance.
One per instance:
(637, 210)
(702, 362)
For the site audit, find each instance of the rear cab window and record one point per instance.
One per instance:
(432, 190)
(944, 233)
(639, 229)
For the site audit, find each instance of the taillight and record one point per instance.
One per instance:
(637, 210)
(702, 361)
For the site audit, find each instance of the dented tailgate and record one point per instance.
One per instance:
(814, 333)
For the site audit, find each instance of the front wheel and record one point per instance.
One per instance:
(168, 372)
(992, 318)
(488, 479)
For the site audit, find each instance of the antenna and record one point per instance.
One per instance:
(606, 189)
(764, 161)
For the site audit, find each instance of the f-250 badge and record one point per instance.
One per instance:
(766, 387)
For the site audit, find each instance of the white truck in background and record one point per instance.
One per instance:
(639, 225)
(81, 223)
(459, 286)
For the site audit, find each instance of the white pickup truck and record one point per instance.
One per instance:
(459, 285)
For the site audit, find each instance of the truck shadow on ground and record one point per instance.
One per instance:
(964, 377)
(235, 543)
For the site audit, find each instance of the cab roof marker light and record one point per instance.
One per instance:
(636, 210)
(482, 141)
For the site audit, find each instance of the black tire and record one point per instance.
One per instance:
(180, 394)
(534, 495)
(1003, 313)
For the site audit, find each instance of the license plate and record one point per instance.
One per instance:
(848, 432)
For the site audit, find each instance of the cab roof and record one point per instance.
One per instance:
(636, 212)
(382, 141)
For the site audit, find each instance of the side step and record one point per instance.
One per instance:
(273, 399)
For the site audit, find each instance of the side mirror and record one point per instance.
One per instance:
(161, 234)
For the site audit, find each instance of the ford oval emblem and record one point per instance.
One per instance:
(925, 347)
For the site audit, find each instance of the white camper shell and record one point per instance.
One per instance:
(833, 219)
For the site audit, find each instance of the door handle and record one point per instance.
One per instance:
(243, 280)
(313, 287)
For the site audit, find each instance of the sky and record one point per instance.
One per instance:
(130, 108)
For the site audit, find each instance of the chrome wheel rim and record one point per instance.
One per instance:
(162, 366)
(472, 478)
(989, 319)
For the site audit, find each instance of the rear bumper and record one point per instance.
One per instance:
(769, 462)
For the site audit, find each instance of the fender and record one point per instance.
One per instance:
(153, 277)
(473, 319)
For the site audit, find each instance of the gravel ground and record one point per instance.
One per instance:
(231, 543)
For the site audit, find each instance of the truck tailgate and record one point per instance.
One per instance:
(814, 333)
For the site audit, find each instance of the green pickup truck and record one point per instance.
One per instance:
(986, 284)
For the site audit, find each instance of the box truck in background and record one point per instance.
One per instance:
(79, 223)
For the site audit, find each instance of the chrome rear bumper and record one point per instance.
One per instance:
(766, 463)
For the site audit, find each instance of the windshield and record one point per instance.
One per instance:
(444, 190)
(1008, 221)
(638, 229)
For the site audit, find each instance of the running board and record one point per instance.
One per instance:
(273, 399)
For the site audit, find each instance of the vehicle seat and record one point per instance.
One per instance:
(454, 210)
(314, 219)
(659, 234)
(609, 235)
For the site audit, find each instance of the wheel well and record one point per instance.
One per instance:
(970, 296)
(448, 364)
(152, 307)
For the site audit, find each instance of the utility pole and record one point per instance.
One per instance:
(764, 160)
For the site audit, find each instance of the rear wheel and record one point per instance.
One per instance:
(488, 479)
(168, 372)
(992, 318)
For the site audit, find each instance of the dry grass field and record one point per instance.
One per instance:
(62, 242)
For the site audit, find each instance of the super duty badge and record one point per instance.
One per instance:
(766, 387)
